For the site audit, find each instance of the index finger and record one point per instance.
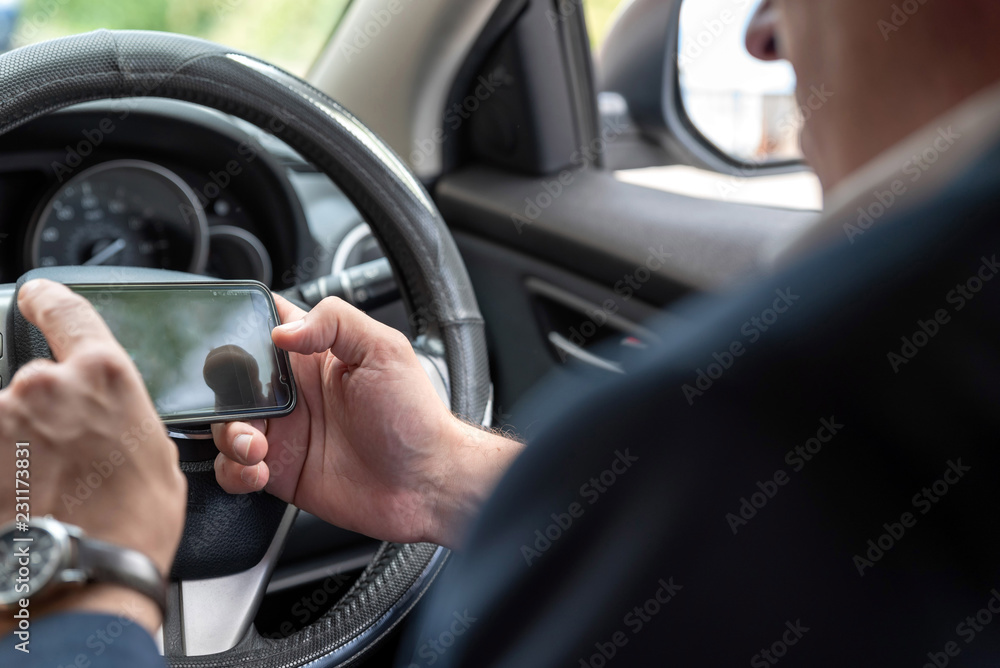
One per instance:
(68, 321)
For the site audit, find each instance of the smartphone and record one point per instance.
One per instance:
(204, 349)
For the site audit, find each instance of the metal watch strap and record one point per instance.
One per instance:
(104, 562)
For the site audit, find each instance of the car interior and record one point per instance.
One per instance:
(484, 151)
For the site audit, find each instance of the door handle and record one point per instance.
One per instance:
(570, 349)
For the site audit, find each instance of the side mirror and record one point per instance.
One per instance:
(693, 92)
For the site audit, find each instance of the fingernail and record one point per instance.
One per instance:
(293, 326)
(251, 475)
(242, 446)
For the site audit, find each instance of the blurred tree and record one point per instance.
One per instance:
(289, 33)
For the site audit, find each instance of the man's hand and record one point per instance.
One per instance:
(100, 457)
(370, 446)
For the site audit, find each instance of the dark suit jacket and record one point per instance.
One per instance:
(805, 473)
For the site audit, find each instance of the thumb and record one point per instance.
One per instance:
(332, 325)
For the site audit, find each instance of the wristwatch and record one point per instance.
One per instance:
(40, 557)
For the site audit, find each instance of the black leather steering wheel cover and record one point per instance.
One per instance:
(43, 78)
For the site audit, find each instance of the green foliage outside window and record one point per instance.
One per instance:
(289, 33)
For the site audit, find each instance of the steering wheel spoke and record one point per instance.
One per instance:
(214, 615)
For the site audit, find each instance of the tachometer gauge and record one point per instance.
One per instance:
(122, 213)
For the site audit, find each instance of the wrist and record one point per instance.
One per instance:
(475, 460)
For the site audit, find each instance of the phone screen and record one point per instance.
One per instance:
(204, 351)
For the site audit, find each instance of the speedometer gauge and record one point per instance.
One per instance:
(122, 213)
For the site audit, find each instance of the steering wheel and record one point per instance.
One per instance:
(231, 543)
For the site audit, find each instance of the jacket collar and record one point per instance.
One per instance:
(902, 178)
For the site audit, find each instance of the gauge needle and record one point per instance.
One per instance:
(114, 249)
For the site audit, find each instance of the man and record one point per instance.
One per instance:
(820, 489)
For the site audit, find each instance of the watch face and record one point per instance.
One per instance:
(28, 560)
